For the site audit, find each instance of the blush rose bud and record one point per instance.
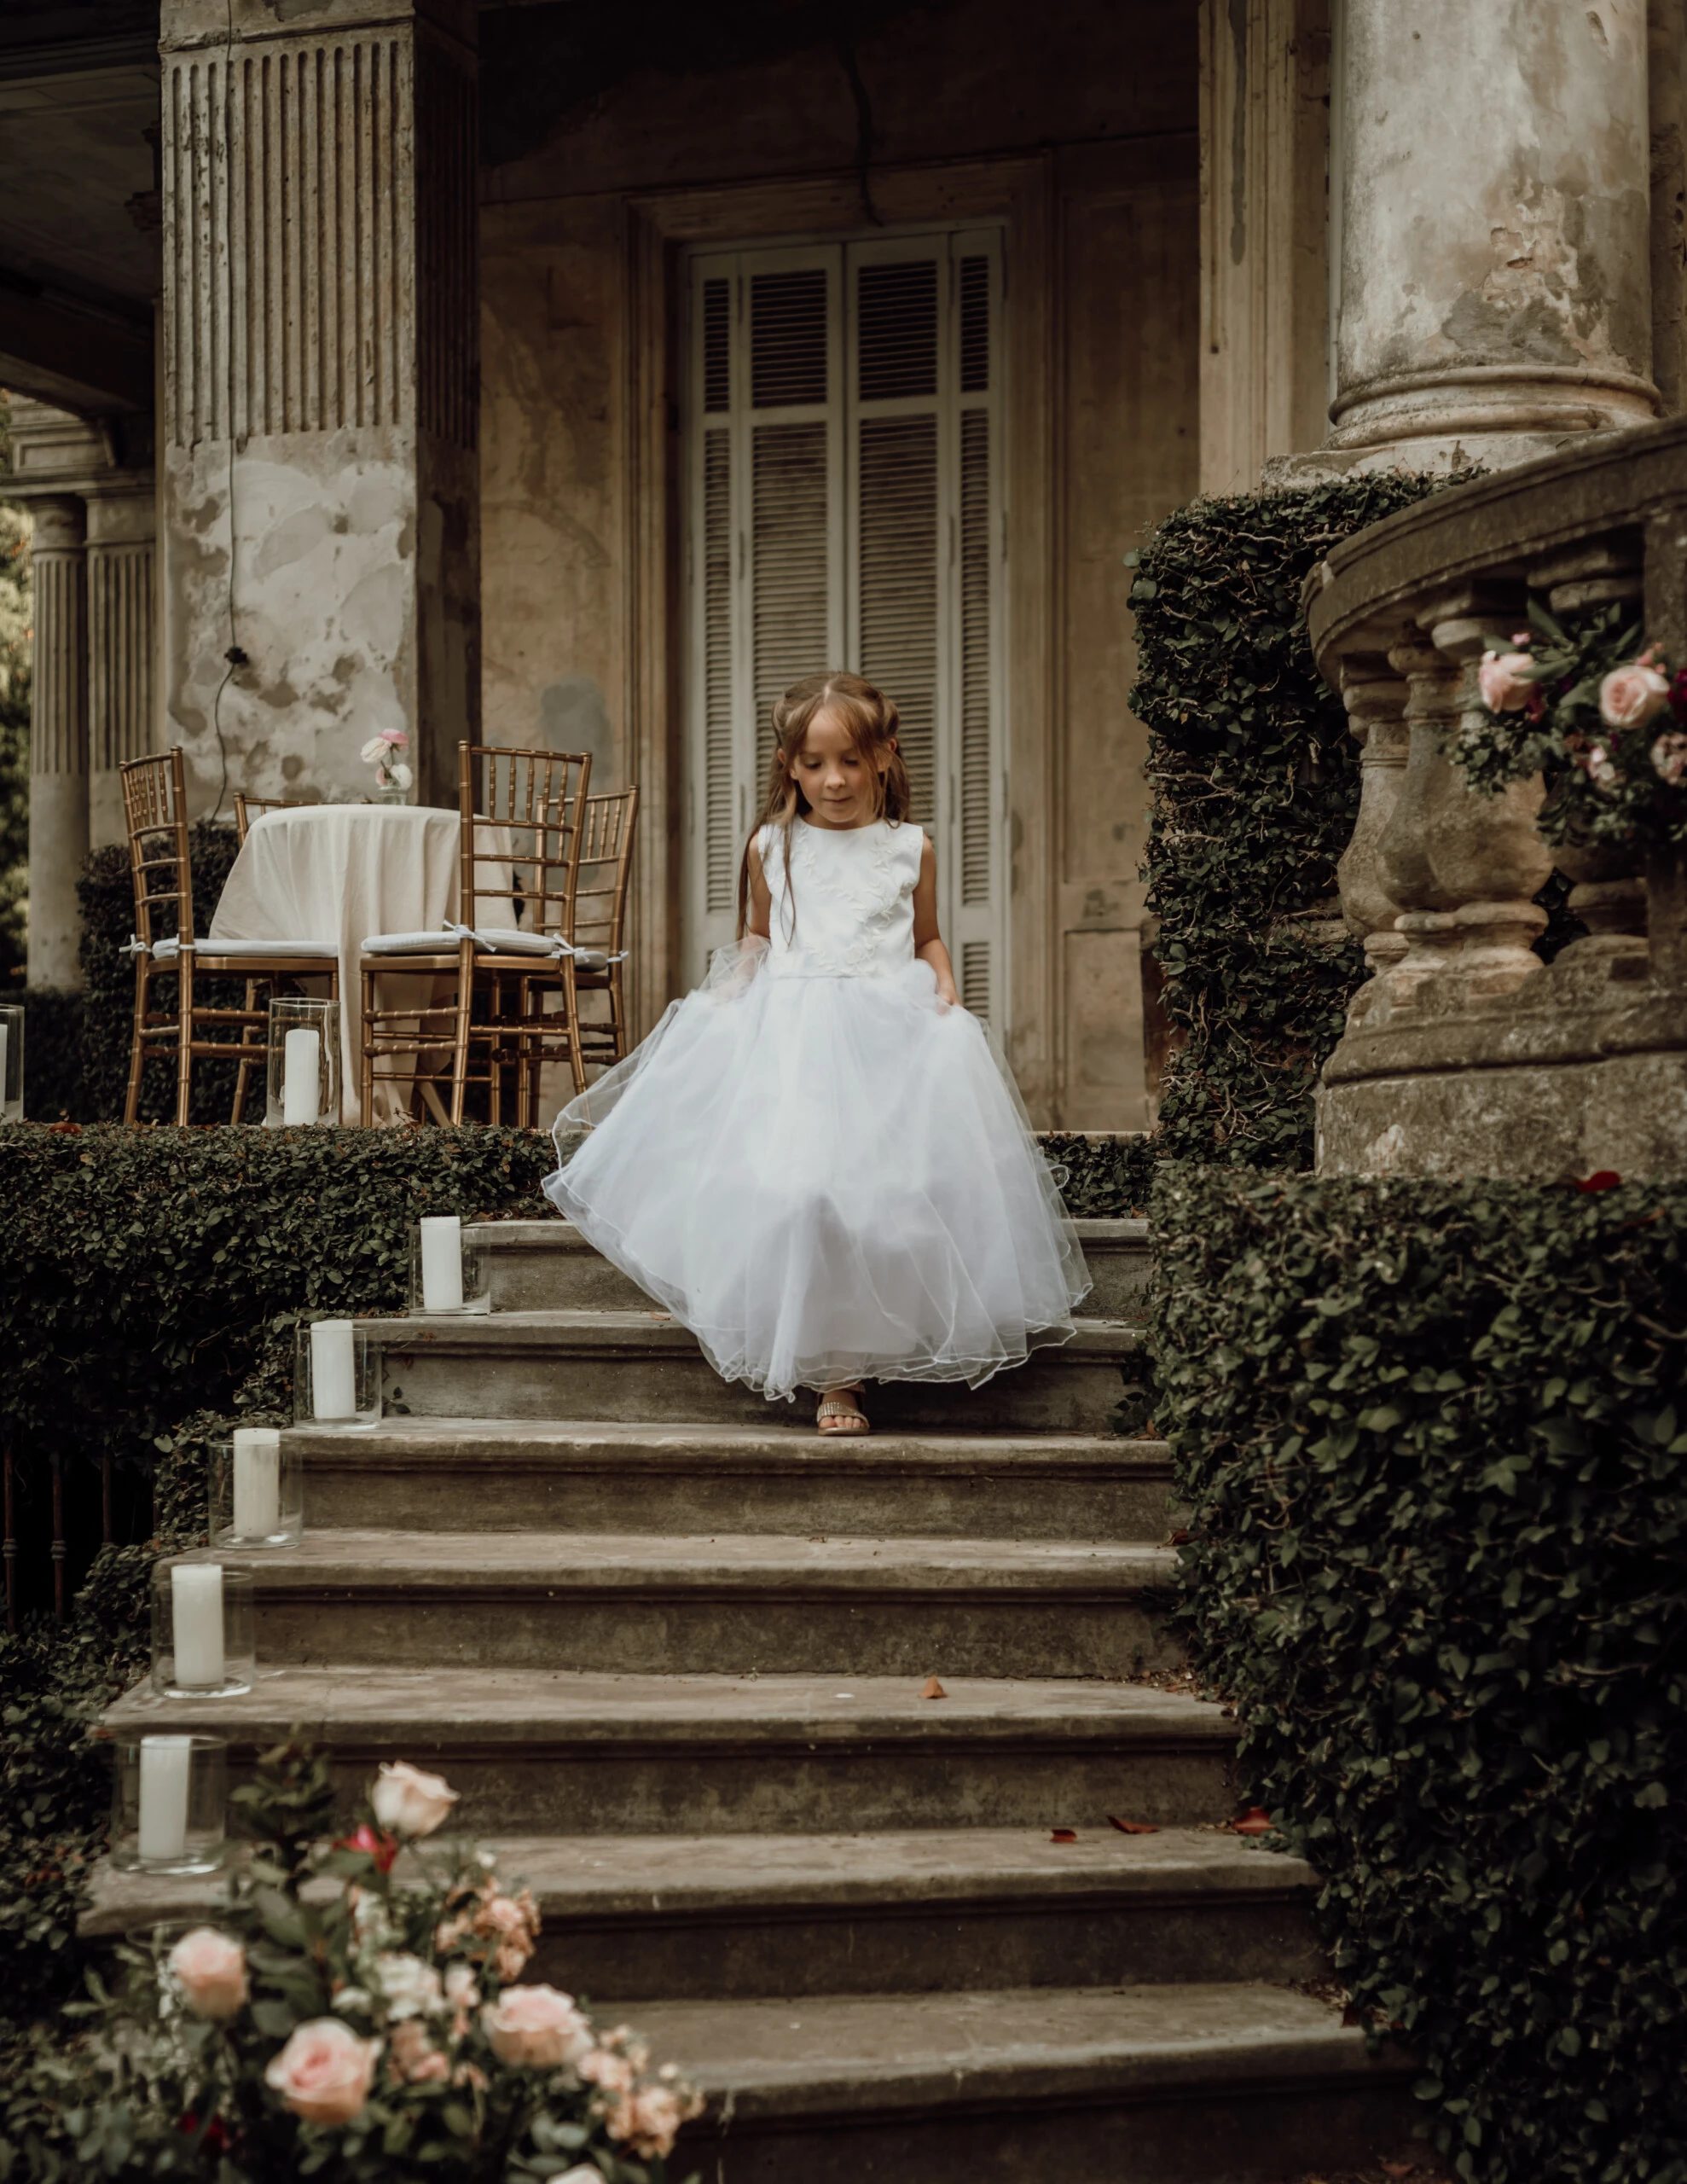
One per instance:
(1506, 680)
(408, 1801)
(1629, 696)
(209, 1969)
(325, 2071)
(535, 2028)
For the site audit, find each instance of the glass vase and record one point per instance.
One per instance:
(256, 1490)
(303, 1077)
(204, 1623)
(169, 1805)
(11, 1061)
(447, 1276)
(336, 1376)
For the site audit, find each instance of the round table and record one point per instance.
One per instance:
(339, 872)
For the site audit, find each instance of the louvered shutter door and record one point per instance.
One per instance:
(845, 509)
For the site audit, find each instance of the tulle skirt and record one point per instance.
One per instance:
(826, 1180)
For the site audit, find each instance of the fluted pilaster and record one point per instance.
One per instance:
(58, 754)
(121, 643)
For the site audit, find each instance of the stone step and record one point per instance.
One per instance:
(462, 1474)
(548, 1265)
(726, 1918)
(1213, 2082)
(538, 1752)
(640, 1604)
(643, 1368)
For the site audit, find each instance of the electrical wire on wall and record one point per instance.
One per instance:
(233, 658)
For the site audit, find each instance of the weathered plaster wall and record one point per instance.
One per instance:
(1118, 258)
(553, 422)
(1132, 452)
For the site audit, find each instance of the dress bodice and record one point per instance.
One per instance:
(846, 908)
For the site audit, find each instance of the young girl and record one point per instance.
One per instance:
(814, 1161)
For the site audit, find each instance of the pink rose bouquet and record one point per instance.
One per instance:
(356, 2011)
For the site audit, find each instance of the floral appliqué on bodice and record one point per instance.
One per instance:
(852, 889)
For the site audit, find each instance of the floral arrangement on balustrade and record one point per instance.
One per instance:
(343, 2023)
(381, 751)
(1603, 718)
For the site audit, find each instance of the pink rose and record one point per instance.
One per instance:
(325, 2071)
(413, 2057)
(1669, 757)
(535, 2028)
(209, 1969)
(649, 2123)
(509, 1923)
(408, 1801)
(1629, 696)
(1596, 760)
(1506, 680)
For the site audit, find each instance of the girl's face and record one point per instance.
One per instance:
(838, 785)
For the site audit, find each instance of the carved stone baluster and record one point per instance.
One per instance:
(1375, 696)
(1466, 865)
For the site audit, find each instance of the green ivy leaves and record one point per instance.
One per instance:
(1439, 1560)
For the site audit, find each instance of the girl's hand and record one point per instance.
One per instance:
(946, 996)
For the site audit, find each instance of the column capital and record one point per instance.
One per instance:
(60, 523)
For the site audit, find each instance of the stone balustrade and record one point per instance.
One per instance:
(1465, 1052)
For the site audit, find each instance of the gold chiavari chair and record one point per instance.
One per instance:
(248, 808)
(155, 809)
(607, 828)
(520, 861)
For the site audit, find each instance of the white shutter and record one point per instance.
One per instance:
(846, 510)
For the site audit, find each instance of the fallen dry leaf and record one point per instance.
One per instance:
(1400, 2168)
(1132, 1827)
(1063, 1834)
(932, 1689)
(1256, 1821)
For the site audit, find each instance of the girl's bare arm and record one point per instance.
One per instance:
(928, 944)
(761, 897)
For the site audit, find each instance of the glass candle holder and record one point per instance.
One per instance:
(336, 1376)
(169, 1805)
(446, 1274)
(256, 1490)
(203, 1630)
(304, 1063)
(11, 1061)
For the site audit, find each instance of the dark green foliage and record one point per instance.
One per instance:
(1433, 1438)
(54, 1784)
(53, 1023)
(143, 1268)
(1256, 788)
(1106, 1177)
(105, 891)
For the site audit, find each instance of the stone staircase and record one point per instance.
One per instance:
(669, 1645)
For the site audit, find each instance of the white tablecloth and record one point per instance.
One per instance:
(338, 872)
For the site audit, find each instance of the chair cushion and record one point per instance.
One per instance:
(325, 951)
(498, 939)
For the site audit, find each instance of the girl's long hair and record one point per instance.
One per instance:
(871, 719)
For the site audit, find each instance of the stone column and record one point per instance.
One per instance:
(321, 510)
(58, 755)
(121, 639)
(1495, 229)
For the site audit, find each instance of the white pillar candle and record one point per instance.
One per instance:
(442, 1258)
(5, 1034)
(258, 1481)
(196, 1622)
(334, 1370)
(302, 1077)
(166, 1766)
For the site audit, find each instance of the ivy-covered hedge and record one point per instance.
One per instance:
(1107, 1176)
(1255, 783)
(1434, 1438)
(145, 1271)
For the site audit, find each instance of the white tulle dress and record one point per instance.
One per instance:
(813, 1165)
